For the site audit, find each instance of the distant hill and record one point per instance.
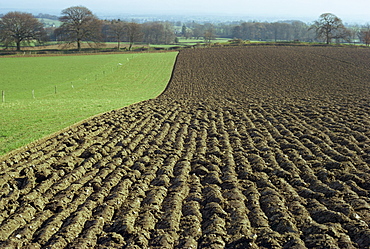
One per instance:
(48, 20)
(47, 16)
(290, 21)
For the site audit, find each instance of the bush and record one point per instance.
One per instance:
(237, 41)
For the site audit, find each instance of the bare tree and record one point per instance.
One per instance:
(118, 29)
(364, 34)
(20, 27)
(329, 27)
(80, 24)
(365, 37)
(353, 31)
(287, 30)
(299, 30)
(280, 31)
(209, 32)
(198, 30)
(209, 35)
(189, 33)
(134, 33)
(158, 33)
(168, 33)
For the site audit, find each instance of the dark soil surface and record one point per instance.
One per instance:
(247, 148)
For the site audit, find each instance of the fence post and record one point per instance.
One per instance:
(55, 91)
(33, 93)
(3, 95)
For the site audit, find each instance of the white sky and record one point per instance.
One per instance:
(347, 10)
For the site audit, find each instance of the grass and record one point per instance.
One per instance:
(46, 94)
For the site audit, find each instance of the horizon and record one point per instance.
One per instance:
(267, 10)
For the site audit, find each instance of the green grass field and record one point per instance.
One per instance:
(46, 94)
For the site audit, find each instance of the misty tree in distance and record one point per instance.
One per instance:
(17, 27)
(130, 31)
(134, 33)
(364, 34)
(80, 24)
(329, 27)
(117, 30)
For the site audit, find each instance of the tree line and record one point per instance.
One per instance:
(79, 24)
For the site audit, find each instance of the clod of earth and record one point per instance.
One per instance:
(247, 148)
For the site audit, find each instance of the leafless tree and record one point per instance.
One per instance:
(134, 33)
(17, 27)
(117, 30)
(364, 34)
(80, 24)
(329, 27)
(158, 33)
(209, 35)
(365, 37)
(280, 31)
(168, 33)
(198, 30)
(264, 31)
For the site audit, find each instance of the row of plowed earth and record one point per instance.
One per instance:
(280, 74)
(217, 161)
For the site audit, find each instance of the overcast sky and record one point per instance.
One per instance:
(347, 10)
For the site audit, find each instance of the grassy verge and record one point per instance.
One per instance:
(46, 94)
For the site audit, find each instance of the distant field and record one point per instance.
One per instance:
(49, 22)
(46, 94)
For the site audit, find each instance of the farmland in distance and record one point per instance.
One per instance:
(258, 147)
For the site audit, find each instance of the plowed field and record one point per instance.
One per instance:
(246, 148)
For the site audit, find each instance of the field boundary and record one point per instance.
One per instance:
(56, 52)
(16, 55)
(171, 77)
(54, 134)
(43, 139)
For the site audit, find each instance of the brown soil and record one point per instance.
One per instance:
(247, 148)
